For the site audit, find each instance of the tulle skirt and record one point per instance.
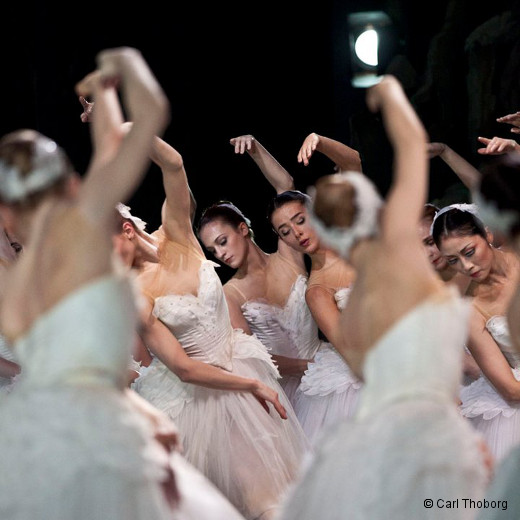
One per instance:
(250, 455)
(328, 392)
(503, 498)
(497, 420)
(199, 498)
(389, 464)
(81, 453)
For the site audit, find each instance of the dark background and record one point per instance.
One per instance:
(277, 70)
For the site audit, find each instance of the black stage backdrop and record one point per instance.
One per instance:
(275, 69)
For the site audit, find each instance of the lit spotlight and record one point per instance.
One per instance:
(367, 33)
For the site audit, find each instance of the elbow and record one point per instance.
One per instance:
(511, 394)
(185, 374)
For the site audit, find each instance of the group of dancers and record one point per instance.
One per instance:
(135, 384)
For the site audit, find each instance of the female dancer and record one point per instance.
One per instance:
(216, 383)
(266, 295)
(328, 390)
(491, 402)
(496, 194)
(199, 499)
(83, 447)
(402, 331)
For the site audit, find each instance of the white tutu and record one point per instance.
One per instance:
(249, 454)
(74, 446)
(490, 414)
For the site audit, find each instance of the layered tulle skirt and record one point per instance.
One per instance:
(391, 465)
(78, 452)
(250, 455)
(497, 420)
(328, 392)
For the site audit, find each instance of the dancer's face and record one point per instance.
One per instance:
(225, 242)
(291, 223)
(438, 261)
(470, 255)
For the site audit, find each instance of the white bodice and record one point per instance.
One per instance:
(289, 330)
(86, 337)
(498, 327)
(200, 323)
(420, 356)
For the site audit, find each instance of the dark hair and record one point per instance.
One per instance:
(227, 212)
(285, 197)
(500, 184)
(459, 223)
(429, 211)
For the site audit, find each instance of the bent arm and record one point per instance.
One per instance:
(165, 346)
(325, 312)
(343, 156)
(464, 170)
(408, 191)
(112, 179)
(277, 176)
(490, 359)
(179, 205)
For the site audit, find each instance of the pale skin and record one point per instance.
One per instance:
(8, 369)
(495, 276)
(254, 277)
(393, 274)
(343, 157)
(449, 276)
(177, 226)
(291, 224)
(78, 221)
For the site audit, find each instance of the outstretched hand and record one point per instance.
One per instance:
(308, 148)
(243, 143)
(497, 146)
(265, 395)
(511, 119)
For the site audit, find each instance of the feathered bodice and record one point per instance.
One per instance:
(200, 323)
(289, 330)
(86, 337)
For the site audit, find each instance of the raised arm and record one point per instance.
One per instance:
(273, 171)
(465, 171)
(179, 205)
(408, 191)
(112, 179)
(277, 176)
(344, 157)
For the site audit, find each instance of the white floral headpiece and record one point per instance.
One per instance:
(469, 208)
(124, 211)
(48, 165)
(366, 220)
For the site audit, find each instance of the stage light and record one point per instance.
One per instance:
(367, 33)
